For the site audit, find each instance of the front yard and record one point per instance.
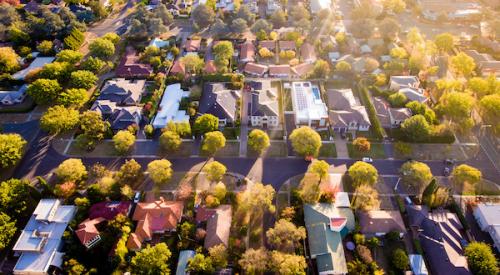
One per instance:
(328, 150)
(376, 151)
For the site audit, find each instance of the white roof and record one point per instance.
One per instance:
(157, 42)
(40, 240)
(342, 199)
(169, 107)
(490, 212)
(39, 62)
(317, 5)
(307, 103)
(414, 94)
(417, 264)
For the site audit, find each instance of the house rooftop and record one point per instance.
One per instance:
(123, 91)
(219, 101)
(307, 102)
(169, 107)
(264, 99)
(255, 69)
(218, 227)
(131, 66)
(39, 62)
(381, 221)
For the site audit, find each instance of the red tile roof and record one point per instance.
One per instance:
(192, 45)
(203, 213)
(130, 66)
(210, 67)
(286, 45)
(87, 230)
(255, 69)
(109, 210)
(302, 70)
(178, 68)
(269, 44)
(279, 70)
(247, 52)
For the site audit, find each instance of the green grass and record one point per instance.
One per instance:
(185, 150)
(232, 149)
(277, 149)
(328, 150)
(105, 148)
(376, 151)
(484, 187)
(231, 132)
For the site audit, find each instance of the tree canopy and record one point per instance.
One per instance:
(465, 174)
(11, 149)
(152, 260)
(160, 171)
(170, 141)
(305, 141)
(416, 175)
(123, 141)
(59, 119)
(44, 91)
(213, 141)
(363, 173)
(285, 235)
(481, 259)
(71, 170)
(258, 140)
(215, 170)
(203, 16)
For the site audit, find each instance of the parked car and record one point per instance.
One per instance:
(449, 161)
(367, 160)
(137, 196)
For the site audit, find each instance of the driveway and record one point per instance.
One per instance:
(341, 146)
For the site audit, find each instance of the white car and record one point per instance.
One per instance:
(367, 160)
(137, 197)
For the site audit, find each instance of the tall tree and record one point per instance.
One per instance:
(481, 259)
(11, 149)
(170, 141)
(44, 91)
(71, 170)
(465, 174)
(206, 123)
(203, 16)
(160, 171)
(215, 170)
(365, 198)
(223, 52)
(59, 119)
(305, 141)
(151, 260)
(444, 42)
(416, 128)
(490, 110)
(283, 263)
(285, 236)
(130, 173)
(123, 141)
(258, 199)
(363, 173)
(416, 175)
(258, 140)
(213, 141)
(457, 107)
(254, 261)
(463, 65)
(9, 60)
(7, 230)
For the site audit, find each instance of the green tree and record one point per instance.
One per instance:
(44, 91)
(463, 65)
(123, 141)
(444, 42)
(72, 97)
(45, 47)
(102, 48)
(258, 141)
(363, 173)
(83, 79)
(162, 12)
(151, 260)
(193, 63)
(465, 174)
(73, 267)
(416, 175)
(16, 198)
(219, 255)
(71, 170)
(278, 19)
(343, 67)
(299, 12)
(254, 261)
(56, 70)
(246, 14)
(289, 264)
(113, 37)
(481, 259)
(7, 229)
(130, 173)
(206, 123)
(223, 52)
(361, 144)
(69, 56)
(285, 236)
(203, 16)
(160, 171)
(170, 141)
(59, 119)
(416, 128)
(212, 142)
(365, 198)
(200, 264)
(457, 107)
(257, 199)
(92, 64)
(92, 125)
(261, 25)
(400, 259)
(215, 170)
(239, 26)
(397, 100)
(309, 189)
(11, 149)
(434, 195)
(418, 108)
(399, 53)
(489, 107)
(74, 40)
(305, 141)
(321, 69)
(9, 60)
(389, 28)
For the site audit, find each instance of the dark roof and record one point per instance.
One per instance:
(123, 118)
(109, 209)
(219, 101)
(122, 92)
(130, 66)
(264, 103)
(416, 214)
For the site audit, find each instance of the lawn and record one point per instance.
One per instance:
(484, 187)
(185, 150)
(328, 150)
(231, 132)
(376, 151)
(105, 148)
(232, 149)
(277, 149)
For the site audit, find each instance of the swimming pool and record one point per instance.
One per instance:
(316, 94)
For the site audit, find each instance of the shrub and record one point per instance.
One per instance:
(359, 238)
(400, 259)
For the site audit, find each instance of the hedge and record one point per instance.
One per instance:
(372, 114)
(433, 138)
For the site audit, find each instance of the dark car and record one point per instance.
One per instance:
(449, 161)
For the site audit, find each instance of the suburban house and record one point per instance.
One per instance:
(397, 83)
(220, 102)
(157, 217)
(380, 222)
(218, 227)
(440, 233)
(225, 5)
(118, 101)
(254, 69)
(390, 117)
(308, 107)
(264, 107)
(318, 5)
(39, 245)
(346, 114)
(307, 53)
(184, 256)
(282, 71)
(414, 94)
(159, 43)
(37, 63)
(326, 226)
(286, 45)
(272, 6)
(485, 62)
(192, 46)
(487, 218)
(303, 70)
(13, 97)
(247, 52)
(178, 68)
(169, 107)
(417, 264)
(88, 232)
(131, 67)
(268, 44)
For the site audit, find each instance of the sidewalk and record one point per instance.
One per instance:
(341, 146)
